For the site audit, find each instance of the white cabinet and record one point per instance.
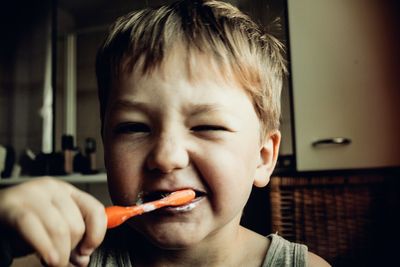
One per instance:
(344, 69)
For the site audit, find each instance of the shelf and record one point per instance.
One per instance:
(73, 179)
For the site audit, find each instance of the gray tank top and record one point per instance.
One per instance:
(281, 253)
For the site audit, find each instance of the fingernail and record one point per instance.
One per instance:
(86, 251)
(82, 260)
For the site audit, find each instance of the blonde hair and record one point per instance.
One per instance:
(216, 28)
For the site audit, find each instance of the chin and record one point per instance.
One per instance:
(172, 240)
(169, 238)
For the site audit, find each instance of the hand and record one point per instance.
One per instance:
(54, 219)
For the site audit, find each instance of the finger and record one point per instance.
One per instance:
(71, 214)
(35, 234)
(95, 220)
(62, 220)
(58, 231)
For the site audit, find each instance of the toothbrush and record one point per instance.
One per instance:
(116, 215)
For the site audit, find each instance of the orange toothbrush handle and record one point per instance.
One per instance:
(116, 215)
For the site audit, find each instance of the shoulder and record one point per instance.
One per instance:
(316, 261)
(282, 252)
(292, 254)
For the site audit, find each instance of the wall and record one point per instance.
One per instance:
(87, 107)
(25, 30)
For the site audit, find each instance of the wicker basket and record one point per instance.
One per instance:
(336, 217)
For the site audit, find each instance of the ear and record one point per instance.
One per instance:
(267, 159)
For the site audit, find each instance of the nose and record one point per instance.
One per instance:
(168, 154)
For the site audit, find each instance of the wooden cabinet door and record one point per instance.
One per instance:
(344, 68)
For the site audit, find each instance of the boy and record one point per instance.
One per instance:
(189, 96)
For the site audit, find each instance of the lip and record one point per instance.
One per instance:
(158, 193)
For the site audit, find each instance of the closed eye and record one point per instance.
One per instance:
(132, 127)
(201, 128)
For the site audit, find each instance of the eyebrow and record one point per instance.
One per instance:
(191, 109)
(203, 108)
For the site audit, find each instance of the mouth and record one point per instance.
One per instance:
(156, 195)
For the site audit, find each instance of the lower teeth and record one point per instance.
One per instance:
(186, 207)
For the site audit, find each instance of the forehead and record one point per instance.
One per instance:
(179, 78)
(182, 80)
(184, 63)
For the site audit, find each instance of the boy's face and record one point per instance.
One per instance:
(164, 132)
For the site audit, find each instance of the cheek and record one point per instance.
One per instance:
(123, 174)
(238, 161)
(229, 173)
